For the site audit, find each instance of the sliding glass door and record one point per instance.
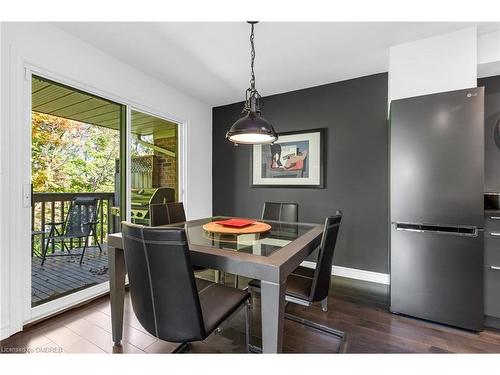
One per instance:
(94, 163)
(154, 170)
(76, 147)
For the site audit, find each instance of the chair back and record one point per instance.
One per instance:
(176, 213)
(322, 274)
(162, 284)
(158, 214)
(278, 211)
(167, 213)
(82, 215)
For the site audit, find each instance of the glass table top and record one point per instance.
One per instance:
(263, 244)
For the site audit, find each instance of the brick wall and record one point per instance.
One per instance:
(165, 167)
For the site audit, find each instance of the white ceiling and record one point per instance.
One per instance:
(210, 60)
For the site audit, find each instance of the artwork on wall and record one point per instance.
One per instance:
(295, 160)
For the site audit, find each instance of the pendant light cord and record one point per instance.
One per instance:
(252, 55)
(253, 102)
(252, 128)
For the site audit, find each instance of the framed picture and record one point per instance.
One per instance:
(294, 160)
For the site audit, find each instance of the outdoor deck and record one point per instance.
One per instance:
(60, 276)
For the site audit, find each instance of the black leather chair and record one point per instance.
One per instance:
(158, 215)
(305, 286)
(277, 211)
(167, 213)
(281, 211)
(169, 302)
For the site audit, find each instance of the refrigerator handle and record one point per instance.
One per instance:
(438, 229)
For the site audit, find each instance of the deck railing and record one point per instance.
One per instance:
(53, 207)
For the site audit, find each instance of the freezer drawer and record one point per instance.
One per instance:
(438, 277)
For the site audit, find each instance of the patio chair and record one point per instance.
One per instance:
(81, 222)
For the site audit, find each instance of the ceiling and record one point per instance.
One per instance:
(210, 60)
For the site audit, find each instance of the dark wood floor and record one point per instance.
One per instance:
(60, 276)
(356, 307)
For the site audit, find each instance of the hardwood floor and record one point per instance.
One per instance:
(359, 308)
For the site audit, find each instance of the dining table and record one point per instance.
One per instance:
(270, 257)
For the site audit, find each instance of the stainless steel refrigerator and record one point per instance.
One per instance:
(437, 168)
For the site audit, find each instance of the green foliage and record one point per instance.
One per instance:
(70, 156)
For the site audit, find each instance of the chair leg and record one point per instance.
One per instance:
(180, 348)
(65, 246)
(248, 325)
(308, 323)
(319, 327)
(324, 304)
(236, 281)
(97, 242)
(44, 251)
(250, 347)
(84, 247)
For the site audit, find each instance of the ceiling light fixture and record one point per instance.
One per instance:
(252, 128)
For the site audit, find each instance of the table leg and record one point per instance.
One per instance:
(273, 308)
(116, 263)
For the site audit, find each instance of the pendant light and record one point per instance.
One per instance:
(252, 128)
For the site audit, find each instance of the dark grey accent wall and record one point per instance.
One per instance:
(354, 112)
(491, 120)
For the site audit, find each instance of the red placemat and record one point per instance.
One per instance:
(235, 223)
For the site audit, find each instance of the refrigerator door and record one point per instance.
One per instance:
(437, 158)
(438, 276)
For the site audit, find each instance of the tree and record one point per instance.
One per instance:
(70, 156)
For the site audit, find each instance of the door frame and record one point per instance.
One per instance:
(18, 256)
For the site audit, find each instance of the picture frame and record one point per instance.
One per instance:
(295, 160)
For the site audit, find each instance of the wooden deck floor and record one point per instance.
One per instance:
(60, 276)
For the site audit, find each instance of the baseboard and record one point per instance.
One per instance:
(491, 321)
(354, 273)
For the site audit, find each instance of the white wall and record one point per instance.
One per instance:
(442, 63)
(52, 50)
(488, 54)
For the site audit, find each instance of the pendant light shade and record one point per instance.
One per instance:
(252, 128)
